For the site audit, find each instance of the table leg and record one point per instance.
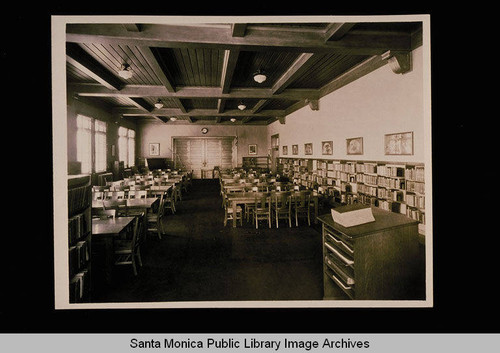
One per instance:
(234, 204)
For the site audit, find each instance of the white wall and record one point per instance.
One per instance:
(379, 103)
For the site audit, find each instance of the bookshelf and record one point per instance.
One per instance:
(79, 237)
(396, 187)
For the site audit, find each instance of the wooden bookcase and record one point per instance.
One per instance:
(372, 261)
(79, 237)
(395, 187)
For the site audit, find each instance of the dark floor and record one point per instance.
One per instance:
(201, 260)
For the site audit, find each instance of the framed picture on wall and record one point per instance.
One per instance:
(252, 149)
(399, 143)
(154, 149)
(354, 145)
(327, 147)
(308, 148)
(295, 149)
(285, 150)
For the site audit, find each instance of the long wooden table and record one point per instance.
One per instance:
(105, 231)
(241, 198)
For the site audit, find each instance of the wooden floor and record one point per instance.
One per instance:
(201, 260)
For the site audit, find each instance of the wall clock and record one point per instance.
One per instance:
(204, 130)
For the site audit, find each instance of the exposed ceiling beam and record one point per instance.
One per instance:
(128, 111)
(246, 119)
(132, 27)
(260, 104)
(217, 120)
(220, 105)
(336, 31)
(79, 58)
(238, 29)
(228, 66)
(141, 103)
(96, 90)
(153, 63)
(299, 66)
(177, 36)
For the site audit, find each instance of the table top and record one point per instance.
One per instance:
(142, 203)
(110, 226)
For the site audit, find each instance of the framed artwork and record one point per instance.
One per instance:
(295, 149)
(285, 150)
(308, 148)
(399, 143)
(252, 149)
(327, 147)
(154, 149)
(354, 145)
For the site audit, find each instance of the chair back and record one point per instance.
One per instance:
(302, 198)
(261, 200)
(281, 199)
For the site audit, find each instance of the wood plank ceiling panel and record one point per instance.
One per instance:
(326, 68)
(75, 75)
(274, 63)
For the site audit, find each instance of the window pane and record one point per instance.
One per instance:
(131, 151)
(100, 152)
(84, 149)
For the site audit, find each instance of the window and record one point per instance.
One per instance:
(84, 143)
(126, 146)
(100, 146)
(91, 144)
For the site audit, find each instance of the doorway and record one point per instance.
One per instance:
(202, 154)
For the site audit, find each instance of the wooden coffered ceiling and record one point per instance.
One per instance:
(202, 72)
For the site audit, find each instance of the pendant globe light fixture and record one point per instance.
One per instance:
(241, 106)
(158, 104)
(259, 76)
(126, 71)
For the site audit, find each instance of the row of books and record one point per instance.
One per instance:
(417, 174)
(79, 257)
(415, 186)
(78, 227)
(79, 287)
(415, 200)
(78, 199)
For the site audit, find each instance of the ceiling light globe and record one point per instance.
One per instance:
(126, 71)
(233, 120)
(259, 77)
(241, 106)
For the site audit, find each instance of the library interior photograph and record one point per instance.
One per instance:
(242, 161)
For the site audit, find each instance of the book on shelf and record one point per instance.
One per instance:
(352, 215)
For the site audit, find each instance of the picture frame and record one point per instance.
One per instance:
(252, 149)
(400, 143)
(285, 151)
(295, 149)
(354, 145)
(308, 148)
(154, 149)
(327, 147)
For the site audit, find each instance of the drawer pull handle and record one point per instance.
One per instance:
(339, 255)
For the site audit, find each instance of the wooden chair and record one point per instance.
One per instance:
(301, 206)
(282, 206)
(155, 216)
(169, 200)
(228, 211)
(127, 251)
(262, 208)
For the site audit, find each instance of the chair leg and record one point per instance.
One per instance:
(139, 257)
(133, 265)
